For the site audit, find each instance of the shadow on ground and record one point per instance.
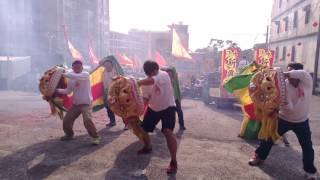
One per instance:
(129, 165)
(281, 161)
(38, 161)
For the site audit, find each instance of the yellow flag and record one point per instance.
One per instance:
(177, 48)
(76, 55)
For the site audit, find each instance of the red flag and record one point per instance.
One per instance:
(128, 60)
(92, 55)
(160, 59)
(124, 60)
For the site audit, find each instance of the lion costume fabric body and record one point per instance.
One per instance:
(49, 82)
(267, 91)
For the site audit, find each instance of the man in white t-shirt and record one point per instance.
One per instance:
(79, 85)
(294, 116)
(161, 106)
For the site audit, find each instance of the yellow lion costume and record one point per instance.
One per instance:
(125, 100)
(49, 82)
(267, 91)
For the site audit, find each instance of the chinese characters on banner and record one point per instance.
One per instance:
(229, 60)
(265, 57)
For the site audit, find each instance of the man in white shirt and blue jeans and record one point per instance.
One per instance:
(79, 84)
(294, 116)
(161, 106)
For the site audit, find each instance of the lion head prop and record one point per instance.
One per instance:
(124, 98)
(267, 91)
(49, 82)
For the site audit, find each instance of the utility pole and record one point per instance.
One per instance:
(316, 61)
(267, 38)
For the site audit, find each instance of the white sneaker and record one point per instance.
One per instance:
(311, 176)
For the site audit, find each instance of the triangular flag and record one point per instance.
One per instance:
(92, 55)
(128, 60)
(76, 55)
(177, 48)
(159, 59)
(124, 60)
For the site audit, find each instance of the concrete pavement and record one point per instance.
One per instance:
(208, 149)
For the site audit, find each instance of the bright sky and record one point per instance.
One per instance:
(243, 21)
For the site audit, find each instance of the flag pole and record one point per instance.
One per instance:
(66, 38)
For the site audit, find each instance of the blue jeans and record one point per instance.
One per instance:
(303, 133)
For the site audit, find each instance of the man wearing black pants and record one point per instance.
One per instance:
(111, 115)
(161, 106)
(294, 116)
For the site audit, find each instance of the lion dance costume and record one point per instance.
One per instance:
(261, 91)
(49, 82)
(125, 100)
(267, 91)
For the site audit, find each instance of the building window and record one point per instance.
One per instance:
(278, 26)
(307, 10)
(295, 19)
(286, 24)
(277, 52)
(280, 3)
(293, 53)
(284, 52)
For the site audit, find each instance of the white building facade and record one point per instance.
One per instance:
(294, 29)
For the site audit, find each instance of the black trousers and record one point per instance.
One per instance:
(303, 133)
(110, 114)
(180, 113)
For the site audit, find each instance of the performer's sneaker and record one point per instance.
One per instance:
(66, 138)
(310, 176)
(145, 150)
(111, 124)
(255, 160)
(172, 168)
(96, 141)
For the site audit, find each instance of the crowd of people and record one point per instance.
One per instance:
(163, 101)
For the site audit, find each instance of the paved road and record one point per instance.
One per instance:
(208, 149)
